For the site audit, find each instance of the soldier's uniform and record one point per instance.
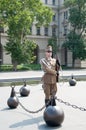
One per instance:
(49, 79)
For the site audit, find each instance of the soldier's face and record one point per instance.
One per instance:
(48, 53)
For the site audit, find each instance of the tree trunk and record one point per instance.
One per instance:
(65, 56)
(14, 65)
(73, 60)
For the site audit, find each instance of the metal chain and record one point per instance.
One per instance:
(29, 110)
(68, 104)
(59, 100)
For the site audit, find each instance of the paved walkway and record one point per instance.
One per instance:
(19, 119)
(36, 75)
(16, 119)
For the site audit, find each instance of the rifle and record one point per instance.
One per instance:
(57, 68)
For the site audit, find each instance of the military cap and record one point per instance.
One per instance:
(48, 48)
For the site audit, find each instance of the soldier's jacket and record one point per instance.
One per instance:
(48, 66)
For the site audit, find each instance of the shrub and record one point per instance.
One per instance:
(20, 67)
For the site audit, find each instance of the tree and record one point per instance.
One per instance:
(75, 40)
(18, 16)
(20, 53)
(76, 44)
(53, 42)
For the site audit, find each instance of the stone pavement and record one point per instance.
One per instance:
(16, 119)
(19, 119)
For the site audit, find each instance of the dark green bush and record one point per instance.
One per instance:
(20, 67)
(6, 67)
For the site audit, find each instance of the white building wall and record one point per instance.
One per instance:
(33, 29)
(69, 60)
(50, 31)
(83, 64)
(6, 58)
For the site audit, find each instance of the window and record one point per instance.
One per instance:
(46, 2)
(66, 15)
(46, 31)
(65, 30)
(38, 30)
(1, 29)
(53, 31)
(30, 31)
(53, 2)
(54, 17)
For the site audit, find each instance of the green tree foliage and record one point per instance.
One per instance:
(76, 44)
(18, 16)
(77, 14)
(53, 42)
(21, 53)
(75, 40)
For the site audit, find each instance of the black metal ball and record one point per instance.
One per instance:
(53, 115)
(12, 102)
(24, 91)
(72, 82)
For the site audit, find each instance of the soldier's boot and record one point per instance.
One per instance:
(47, 102)
(53, 102)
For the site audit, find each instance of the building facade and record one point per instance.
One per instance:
(58, 27)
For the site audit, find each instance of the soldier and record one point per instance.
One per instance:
(48, 65)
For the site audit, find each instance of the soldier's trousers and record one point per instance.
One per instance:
(50, 90)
